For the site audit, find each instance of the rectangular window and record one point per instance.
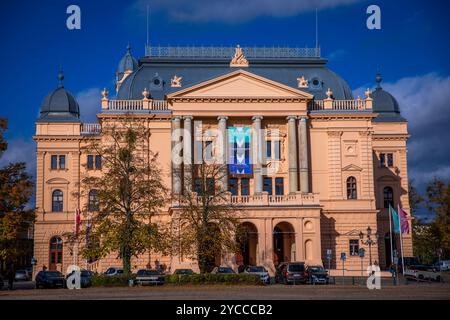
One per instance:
(277, 150)
(354, 247)
(233, 186)
(198, 186)
(210, 185)
(269, 149)
(62, 162)
(54, 162)
(267, 186)
(390, 160)
(382, 159)
(279, 186)
(90, 162)
(98, 162)
(245, 187)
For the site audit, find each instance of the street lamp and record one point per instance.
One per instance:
(368, 242)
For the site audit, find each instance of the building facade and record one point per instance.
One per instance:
(326, 165)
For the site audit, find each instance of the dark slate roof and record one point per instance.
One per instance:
(59, 105)
(127, 63)
(385, 105)
(197, 70)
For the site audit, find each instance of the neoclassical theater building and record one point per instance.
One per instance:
(335, 165)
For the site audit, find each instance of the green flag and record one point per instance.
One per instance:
(395, 219)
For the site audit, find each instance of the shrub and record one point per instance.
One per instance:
(208, 278)
(101, 280)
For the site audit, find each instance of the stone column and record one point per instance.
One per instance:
(222, 128)
(303, 155)
(176, 163)
(257, 154)
(292, 155)
(187, 152)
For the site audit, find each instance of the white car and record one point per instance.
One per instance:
(421, 272)
(259, 270)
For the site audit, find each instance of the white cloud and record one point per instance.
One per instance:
(90, 104)
(424, 102)
(234, 11)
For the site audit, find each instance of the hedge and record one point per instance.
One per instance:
(101, 280)
(208, 278)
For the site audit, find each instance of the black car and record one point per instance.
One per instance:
(1, 283)
(317, 274)
(50, 279)
(86, 277)
(291, 273)
(149, 277)
(184, 271)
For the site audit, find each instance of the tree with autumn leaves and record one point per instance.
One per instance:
(16, 188)
(129, 192)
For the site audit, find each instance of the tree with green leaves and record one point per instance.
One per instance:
(128, 193)
(16, 188)
(438, 202)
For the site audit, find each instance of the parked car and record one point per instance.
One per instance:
(407, 261)
(184, 271)
(1, 282)
(317, 275)
(50, 279)
(222, 270)
(259, 270)
(113, 271)
(422, 272)
(149, 277)
(86, 278)
(22, 275)
(443, 265)
(291, 272)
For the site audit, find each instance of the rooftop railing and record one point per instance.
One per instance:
(228, 52)
(90, 128)
(331, 104)
(135, 105)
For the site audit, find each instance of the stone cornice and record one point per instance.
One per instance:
(391, 137)
(238, 99)
(341, 116)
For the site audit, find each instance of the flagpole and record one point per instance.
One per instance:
(401, 238)
(390, 235)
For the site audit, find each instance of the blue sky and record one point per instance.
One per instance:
(411, 50)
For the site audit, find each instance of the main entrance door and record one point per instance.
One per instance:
(55, 253)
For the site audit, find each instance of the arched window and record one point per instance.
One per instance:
(351, 188)
(55, 252)
(93, 200)
(388, 196)
(57, 201)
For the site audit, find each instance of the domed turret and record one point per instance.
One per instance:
(59, 105)
(126, 66)
(385, 104)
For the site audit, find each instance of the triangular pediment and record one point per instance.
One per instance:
(240, 84)
(352, 167)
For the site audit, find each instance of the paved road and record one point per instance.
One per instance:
(278, 292)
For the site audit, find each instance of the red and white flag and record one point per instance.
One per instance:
(77, 221)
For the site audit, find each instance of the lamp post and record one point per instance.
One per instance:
(368, 242)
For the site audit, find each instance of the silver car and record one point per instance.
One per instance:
(260, 271)
(22, 275)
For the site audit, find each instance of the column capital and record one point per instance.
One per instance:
(302, 118)
(255, 118)
(222, 118)
(290, 118)
(188, 117)
(176, 118)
